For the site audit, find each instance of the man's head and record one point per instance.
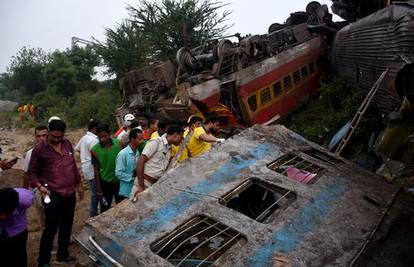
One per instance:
(57, 130)
(40, 133)
(136, 137)
(103, 132)
(143, 122)
(195, 122)
(9, 199)
(174, 135)
(92, 125)
(212, 122)
(153, 125)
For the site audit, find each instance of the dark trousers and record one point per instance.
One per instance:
(13, 249)
(58, 215)
(109, 191)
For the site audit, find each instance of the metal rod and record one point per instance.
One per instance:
(179, 245)
(258, 218)
(180, 233)
(196, 193)
(201, 244)
(157, 244)
(218, 249)
(296, 165)
(106, 255)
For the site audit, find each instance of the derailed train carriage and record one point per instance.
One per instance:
(277, 200)
(248, 81)
(383, 40)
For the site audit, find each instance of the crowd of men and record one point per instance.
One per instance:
(117, 167)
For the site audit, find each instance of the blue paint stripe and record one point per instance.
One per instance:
(304, 221)
(177, 205)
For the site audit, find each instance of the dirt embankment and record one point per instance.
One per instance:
(15, 143)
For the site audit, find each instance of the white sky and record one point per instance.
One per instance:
(50, 24)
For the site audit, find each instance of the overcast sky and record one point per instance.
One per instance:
(50, 24)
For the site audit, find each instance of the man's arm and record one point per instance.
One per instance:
(35, 166)
(208, 138)
(140, 170)
(120, 168)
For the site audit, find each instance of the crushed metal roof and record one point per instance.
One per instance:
(326, 221)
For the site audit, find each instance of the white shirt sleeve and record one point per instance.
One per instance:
(27, 160)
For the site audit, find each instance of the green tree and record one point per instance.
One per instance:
(26, 69)
(155, 30)
(124, 49)
(61, 74)
(85, 60)
(171, 24)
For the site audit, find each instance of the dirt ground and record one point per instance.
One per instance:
(15, 143)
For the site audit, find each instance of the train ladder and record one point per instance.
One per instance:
(361, 110)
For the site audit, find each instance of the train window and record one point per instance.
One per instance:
(252, 103)
(322, 156)
(311, 67)
(265, 96)
(277, 89)
(287, 82)
(296, 77)
(201, 240)
(259, 200)
(296, 168)
(304, 72)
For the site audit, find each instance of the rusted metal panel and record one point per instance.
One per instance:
(364, 49)
(326, 222)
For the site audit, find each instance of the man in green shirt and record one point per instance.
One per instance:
(103, 156)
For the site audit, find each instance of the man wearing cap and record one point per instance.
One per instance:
(128, 118)
(52, 163)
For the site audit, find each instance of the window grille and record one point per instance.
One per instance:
(277, 89)
(198, 242)
(296, 77)
(265, 96)
(296, 168)
(322, 156)
(252, 103)
(258, 199)
(287, 82)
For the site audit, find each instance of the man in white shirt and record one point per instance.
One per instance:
(40, 136)
(155, 158)
(84, 147)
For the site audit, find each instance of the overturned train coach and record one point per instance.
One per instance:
(254, 80)
(277, 200)
(380, 41)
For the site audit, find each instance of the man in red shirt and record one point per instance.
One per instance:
(52, 164)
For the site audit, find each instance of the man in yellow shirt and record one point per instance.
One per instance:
(158, 128)
(201, 140)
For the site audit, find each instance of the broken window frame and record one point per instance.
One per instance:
(285, 194)
(162, 243)
(322, 156)
(317, 168)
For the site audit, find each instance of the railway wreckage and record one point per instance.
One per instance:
(252, 80)
(276, 199)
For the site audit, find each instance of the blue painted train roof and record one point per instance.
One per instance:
(330, 216)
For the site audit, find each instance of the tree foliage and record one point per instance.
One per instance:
(125, 48)
(26, 69)
(171, 24)
(155, 30)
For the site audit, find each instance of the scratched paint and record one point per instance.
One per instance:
(303, 222)
(177, 205)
